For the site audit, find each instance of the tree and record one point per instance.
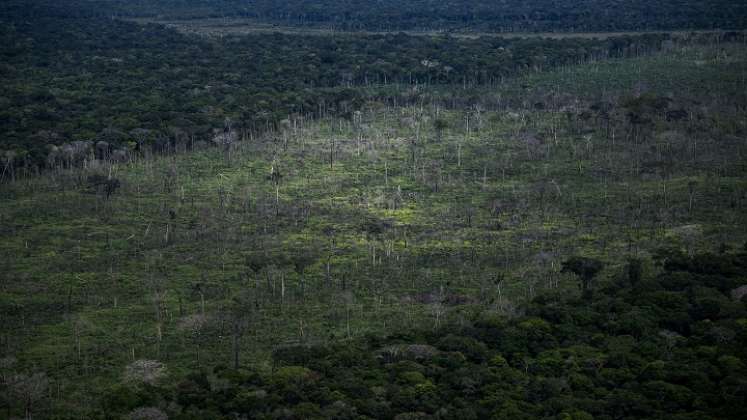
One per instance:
(147, 413)
(103, 184)
(634, 271)
(586, 269)
(8, 163)
(194, 326)
(145, 371)
(29, 390)
(226, 138)
(141, 136)
(440, 125)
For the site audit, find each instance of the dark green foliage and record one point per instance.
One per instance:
(634, 271)
(472, 349)
(140, 88)
(589, 372)
(512, 15)
(586, 269)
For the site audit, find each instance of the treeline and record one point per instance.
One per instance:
(492, 15)
(664, 337)
(67, 80)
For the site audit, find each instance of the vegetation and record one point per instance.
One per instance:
(368, 226)
(645, 347)
(116, 79)
(460, 15)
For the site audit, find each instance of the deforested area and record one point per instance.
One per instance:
(438, 212)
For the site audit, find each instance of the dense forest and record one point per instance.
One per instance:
(643, 346)
(364, 223)
(491, 15)
(73, 79)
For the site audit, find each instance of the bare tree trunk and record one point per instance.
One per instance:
(236, 343)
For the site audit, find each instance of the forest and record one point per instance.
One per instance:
(373, 222)
(138, 77)
(449, 15)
